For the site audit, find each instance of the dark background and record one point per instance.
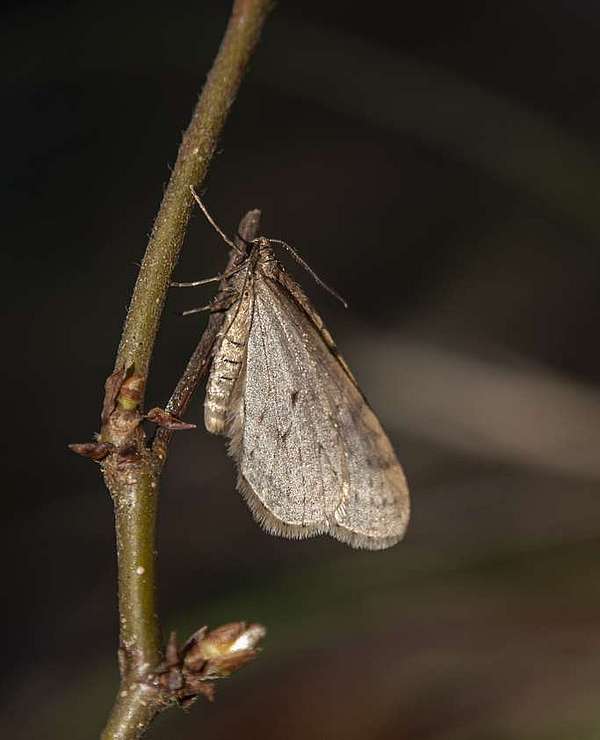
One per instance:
(438, 163)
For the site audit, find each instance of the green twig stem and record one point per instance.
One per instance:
(132, 470)
(195, 153)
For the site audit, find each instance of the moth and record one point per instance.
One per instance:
(311, 455)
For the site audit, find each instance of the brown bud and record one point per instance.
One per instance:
(196, 686)
(222, 651)
(94, 450)
(112, 386)
(192, 654)
(225, 665)
(131, 392)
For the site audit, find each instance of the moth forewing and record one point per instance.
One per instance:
(312, 456)
(376, 509)
(277, 273)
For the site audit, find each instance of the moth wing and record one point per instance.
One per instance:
(313, 458)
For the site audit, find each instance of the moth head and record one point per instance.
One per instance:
(263, 249)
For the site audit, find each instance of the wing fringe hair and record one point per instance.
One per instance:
(268, 521)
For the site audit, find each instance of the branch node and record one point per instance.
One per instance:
(130, 469)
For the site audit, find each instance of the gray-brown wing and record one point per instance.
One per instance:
(312, 456)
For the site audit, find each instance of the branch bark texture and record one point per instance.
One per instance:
(195, 153)
(131, 469)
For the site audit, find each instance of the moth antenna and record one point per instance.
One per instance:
(310, 271)
(213, 223)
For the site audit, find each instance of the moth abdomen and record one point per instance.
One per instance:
(224, 374)
(227, 365)
(215, 416)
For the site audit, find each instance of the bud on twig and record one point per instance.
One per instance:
(206, 656)
(222, 651)
(112, 386)
(94, 450)
(131, 392)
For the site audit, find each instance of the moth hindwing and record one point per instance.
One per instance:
(312, 456)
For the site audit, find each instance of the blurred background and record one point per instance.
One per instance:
(439, 165)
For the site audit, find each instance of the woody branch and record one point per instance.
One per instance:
(152, 678)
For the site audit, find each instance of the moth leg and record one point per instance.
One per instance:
(196, 283)
(205, 281)
(222, 302)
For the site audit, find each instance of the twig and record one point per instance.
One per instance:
(195, 153)
(150, 680)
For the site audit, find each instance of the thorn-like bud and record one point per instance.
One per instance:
(96, 451)
(166, 420)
